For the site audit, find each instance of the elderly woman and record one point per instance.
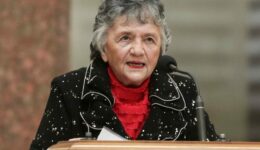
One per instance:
(123, 88)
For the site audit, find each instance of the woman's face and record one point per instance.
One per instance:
(132, 50)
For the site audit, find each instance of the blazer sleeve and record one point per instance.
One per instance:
(55, 124)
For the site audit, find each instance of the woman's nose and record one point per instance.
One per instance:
(137, 48)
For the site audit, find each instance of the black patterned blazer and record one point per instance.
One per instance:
(81, 101)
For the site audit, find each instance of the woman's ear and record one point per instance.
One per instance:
(104, 56)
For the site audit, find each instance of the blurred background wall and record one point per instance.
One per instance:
(253, 68)
(218, 41)
(209, 36)
(34, 47)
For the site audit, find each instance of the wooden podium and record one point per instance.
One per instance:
(153, 145)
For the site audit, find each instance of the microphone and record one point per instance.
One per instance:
(88, 134)
(169, 64)
(201, 119)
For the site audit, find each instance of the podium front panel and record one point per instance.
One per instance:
(153, 145)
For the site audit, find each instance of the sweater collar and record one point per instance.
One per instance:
(128, 94)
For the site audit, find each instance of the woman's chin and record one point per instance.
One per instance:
(135, 81)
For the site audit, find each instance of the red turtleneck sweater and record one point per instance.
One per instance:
(131, 105)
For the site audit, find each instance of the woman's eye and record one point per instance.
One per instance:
(125, 38)
(150, 40)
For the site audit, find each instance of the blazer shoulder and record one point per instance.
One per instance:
(184, 80)
(75, 76)
(182, 75)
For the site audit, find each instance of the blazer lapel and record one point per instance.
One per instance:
(100, 114)
(165, 92)
(165, 121)
(162, 125)
(97, 100)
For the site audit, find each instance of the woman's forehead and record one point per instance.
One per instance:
(127, 20)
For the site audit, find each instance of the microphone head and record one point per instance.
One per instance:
(167, 63)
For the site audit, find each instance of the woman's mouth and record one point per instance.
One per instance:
(136, 65)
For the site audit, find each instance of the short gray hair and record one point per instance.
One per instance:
(141, 10)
